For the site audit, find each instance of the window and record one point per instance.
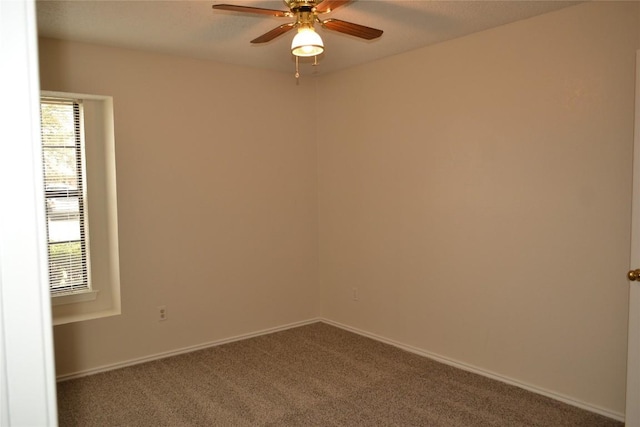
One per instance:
(78, 153)
(63, 153)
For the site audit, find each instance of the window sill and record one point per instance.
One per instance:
(73, 297)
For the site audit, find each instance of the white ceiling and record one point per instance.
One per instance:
(194, 29)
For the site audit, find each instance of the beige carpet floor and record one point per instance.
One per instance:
(314, 375)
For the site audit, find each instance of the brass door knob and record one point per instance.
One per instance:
(634, 275)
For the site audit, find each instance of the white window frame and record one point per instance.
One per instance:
(76, 291)
(102, 299)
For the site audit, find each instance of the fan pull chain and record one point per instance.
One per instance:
(297, 69)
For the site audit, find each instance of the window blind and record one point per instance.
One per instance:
(62, 150)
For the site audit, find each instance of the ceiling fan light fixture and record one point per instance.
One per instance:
(307, 43)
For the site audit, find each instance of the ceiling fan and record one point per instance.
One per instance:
(307, 42)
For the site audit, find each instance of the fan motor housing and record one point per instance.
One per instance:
(301, 5)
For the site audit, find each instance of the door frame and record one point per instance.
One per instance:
(27, 371)
(632, 411)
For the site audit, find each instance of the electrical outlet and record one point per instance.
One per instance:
(354, 294)
(162, 313)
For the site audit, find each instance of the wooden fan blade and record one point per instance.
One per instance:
(278, 31)
(330, 5)
(258, 10)
(352, 29)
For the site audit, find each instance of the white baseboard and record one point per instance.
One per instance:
(183, 350)
(470, 368)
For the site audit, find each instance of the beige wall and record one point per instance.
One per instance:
(216, 199)
(477, 193)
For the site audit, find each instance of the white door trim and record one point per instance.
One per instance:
(27, 372)
(632, 411)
